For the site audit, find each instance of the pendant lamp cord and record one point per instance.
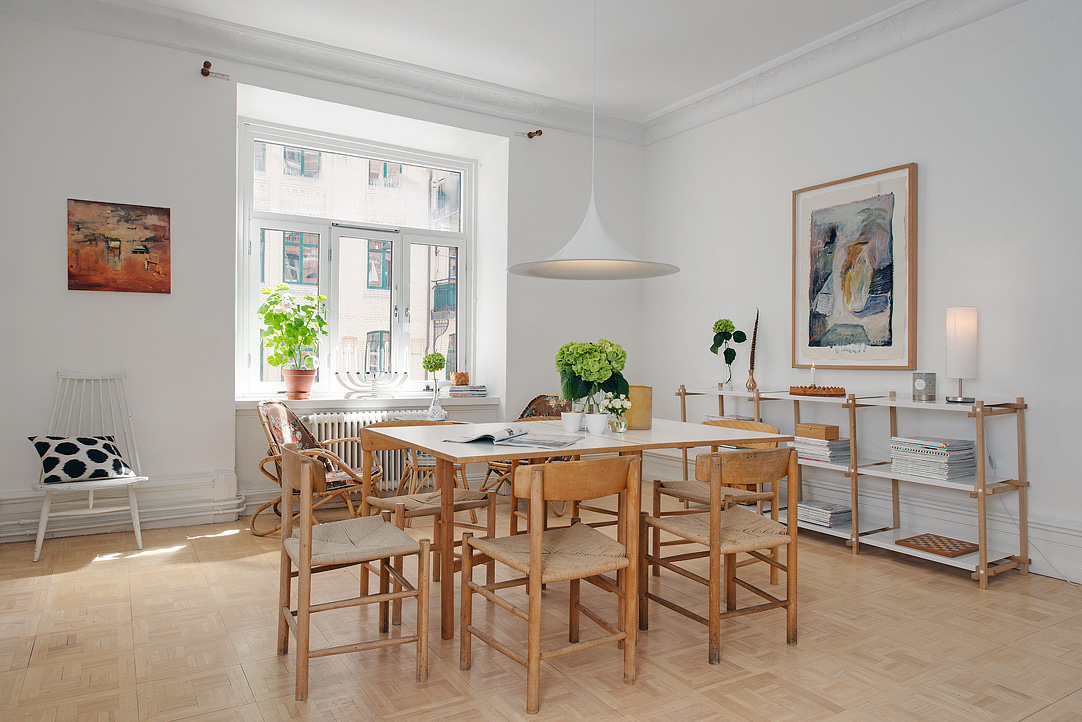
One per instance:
(593, 106)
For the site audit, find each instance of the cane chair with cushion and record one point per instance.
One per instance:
(428, 503)
(361, 541)
(282, 427)
(697, 491)
(89, 447)
(727, 529)
(572, 553)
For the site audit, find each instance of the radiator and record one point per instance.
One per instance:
(341, 424)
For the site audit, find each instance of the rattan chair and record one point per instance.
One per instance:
(571, 553)
(727, 529)
(360, 541)
(428, 503)
(282, 427)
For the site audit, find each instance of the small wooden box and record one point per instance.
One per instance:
(818, 431)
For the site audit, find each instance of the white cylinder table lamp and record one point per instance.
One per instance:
(961, 348)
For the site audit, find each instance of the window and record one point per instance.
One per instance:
(388, 255)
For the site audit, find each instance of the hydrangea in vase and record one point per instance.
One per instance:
(589, 369)
(724, 332)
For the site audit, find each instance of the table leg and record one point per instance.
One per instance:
(445, 482)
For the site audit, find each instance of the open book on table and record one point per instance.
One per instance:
(512, 436)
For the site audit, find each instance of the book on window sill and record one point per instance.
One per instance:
(511, 436)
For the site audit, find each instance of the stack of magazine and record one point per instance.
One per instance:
(832, 452)
(933, 458)
(823, 513)
(457, 392)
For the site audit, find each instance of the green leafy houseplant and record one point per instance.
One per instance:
(293, 325)
(587, 369)
(724, 332)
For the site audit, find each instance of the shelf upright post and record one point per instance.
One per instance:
(854, 496)
(982, 500)
(755, 402)
(683, 394)
(1023, 488)
(799, 468)
(721, 400)
(897, 517)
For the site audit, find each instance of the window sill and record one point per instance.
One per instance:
(335, 402)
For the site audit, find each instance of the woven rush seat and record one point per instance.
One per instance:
(429, 504)
(567, 553)
(698, 492)
(742, 530)
(353, 540)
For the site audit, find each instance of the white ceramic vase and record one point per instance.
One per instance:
(571, 420)
(597, 423)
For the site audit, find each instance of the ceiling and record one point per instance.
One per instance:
(651, 54)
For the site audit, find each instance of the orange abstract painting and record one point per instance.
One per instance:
(117, 247)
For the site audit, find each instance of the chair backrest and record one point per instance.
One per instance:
(545, 405)
(282, 427)
(743, 466)
(578, 480)
(371, 442)
(95, 405)
(745, 425)
(304, 474)
(536, 418)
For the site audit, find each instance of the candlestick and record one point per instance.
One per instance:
(813, 375)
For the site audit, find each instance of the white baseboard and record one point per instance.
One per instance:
(202, 498)
(1055, 545)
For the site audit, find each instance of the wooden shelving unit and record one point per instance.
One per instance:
(982, 564)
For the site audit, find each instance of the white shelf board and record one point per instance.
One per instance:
(965, 483)
(886, 540)
(844, 531)
(905, 401)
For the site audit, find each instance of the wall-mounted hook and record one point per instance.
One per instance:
(531, 134)
(207, 73)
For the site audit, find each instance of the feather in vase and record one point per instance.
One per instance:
(754, 336)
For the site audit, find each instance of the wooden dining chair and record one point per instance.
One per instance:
(428, 503)
(727, 529)
(697, 491)
(360, 541)
(572, 553)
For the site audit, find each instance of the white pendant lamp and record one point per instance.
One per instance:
(592, 254)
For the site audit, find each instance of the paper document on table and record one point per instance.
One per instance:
(540, 441)
(508, 432)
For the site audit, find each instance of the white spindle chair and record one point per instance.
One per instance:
(93, 405)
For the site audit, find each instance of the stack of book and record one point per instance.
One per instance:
(461, 391)
(832, 451)
(933, 458)
(823, 513)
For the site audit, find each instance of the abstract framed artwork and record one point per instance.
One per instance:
(117, 247)
(855, 272)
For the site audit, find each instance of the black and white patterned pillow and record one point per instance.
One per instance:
(79, 458)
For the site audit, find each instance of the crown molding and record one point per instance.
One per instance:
(883, 34)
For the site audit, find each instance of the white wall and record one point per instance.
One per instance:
(990, 113)
(95, 117)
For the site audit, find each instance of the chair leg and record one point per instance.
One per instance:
(465, 657)
(466, 486)
(630, 606)
(260, 510)
(573, 613)
(490, 533)
(656, 548)
(396, 605)
(285, 578)
(384, 588)
(714, 607)
(790, 592)
(533, 652)
(304, 618)
(423, 567)
(437, 528)
(644, 603)
(135, 517)
(730, 582)
(43, 521)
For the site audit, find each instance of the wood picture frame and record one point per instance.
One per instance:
(855, 272)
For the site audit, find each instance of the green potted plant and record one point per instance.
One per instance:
(292, 327)
(432, 363)
(724, 332)
(588, 369)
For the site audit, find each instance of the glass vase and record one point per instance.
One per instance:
(435, 411)
(618, 424)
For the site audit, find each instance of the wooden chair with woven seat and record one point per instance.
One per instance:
(428, 503)
(419, 470)
(334, 545)
(572, 553)
(543, 407)
(697, 491)
(727, 529)
(282, 427)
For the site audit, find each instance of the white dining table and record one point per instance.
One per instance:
(663, 434)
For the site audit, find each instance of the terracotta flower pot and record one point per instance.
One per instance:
(298, 382)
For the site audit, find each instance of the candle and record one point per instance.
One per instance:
(813, 375)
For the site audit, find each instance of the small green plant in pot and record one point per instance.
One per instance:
(432, 363)
(724, 332)
(292, 327)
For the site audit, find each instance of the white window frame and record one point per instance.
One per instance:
(330, 231)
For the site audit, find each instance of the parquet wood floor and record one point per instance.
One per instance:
(185, 630)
